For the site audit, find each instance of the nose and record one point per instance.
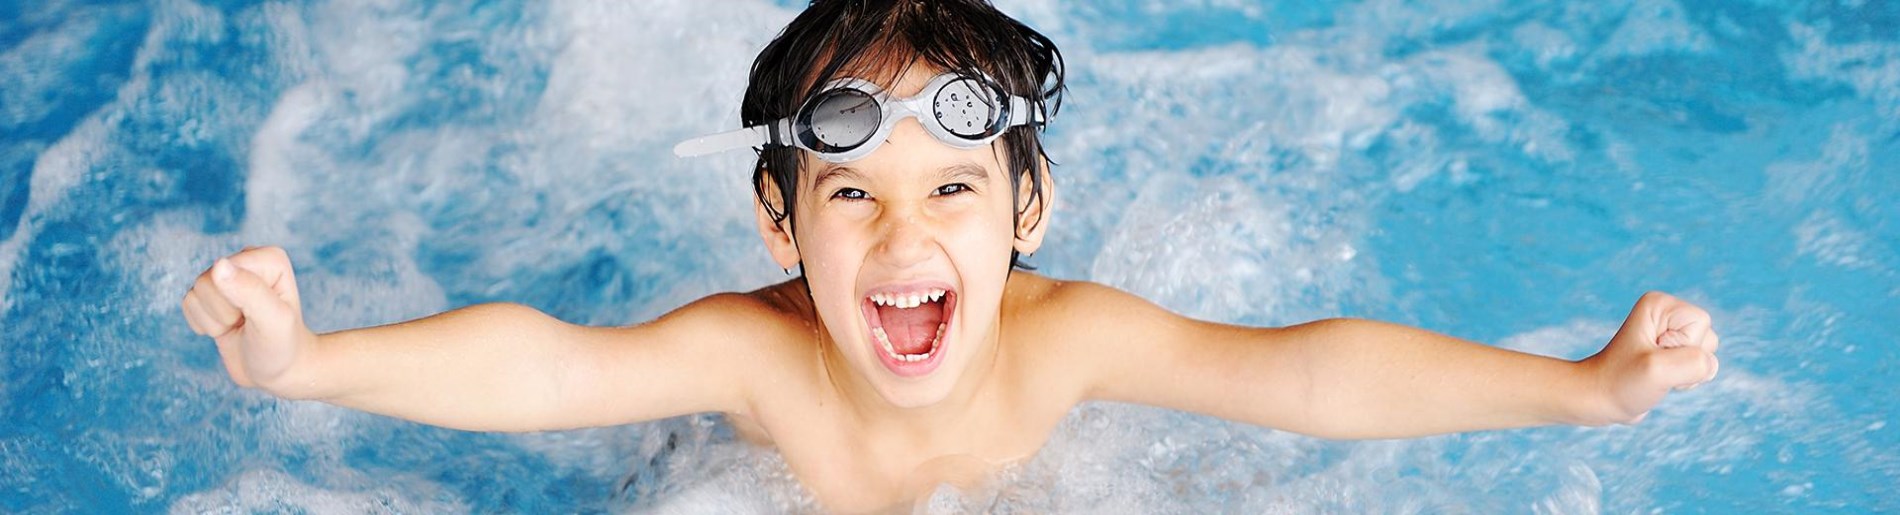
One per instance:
(905, 241)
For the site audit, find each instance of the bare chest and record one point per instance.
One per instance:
(856, 467)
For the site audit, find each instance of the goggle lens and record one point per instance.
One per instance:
(842, 119)
(963, 108)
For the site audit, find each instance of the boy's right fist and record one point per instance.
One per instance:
(248, 303)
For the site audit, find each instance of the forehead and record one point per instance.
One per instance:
(891, 64)
(908, 82)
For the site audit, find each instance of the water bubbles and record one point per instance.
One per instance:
(419, 156)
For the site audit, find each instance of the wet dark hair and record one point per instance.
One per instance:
(877, 40)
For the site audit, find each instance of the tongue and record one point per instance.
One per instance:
(911, 330)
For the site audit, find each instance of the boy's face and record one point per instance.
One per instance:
(906, 252)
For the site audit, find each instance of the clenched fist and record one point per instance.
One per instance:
(1666, 343)
(248, 303)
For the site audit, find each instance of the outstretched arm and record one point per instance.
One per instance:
(1345, 378)
(489, 367)
(507, 367)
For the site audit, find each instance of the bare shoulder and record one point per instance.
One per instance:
(1071, 336)
(1035, 302)
(718, 353)
(770, 324)
(769, 309)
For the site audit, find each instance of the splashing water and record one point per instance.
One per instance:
(1513, 172)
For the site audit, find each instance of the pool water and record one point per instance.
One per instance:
(1509, 172)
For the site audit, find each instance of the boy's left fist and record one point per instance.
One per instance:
(1665, 344)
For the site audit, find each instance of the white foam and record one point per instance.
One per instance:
(177, 21)
(1576, 339)
(1487, 99)
(164, 256)
(588, 149)
(601, 452)
(1111, 458)
(1581, 492)
(1213, 248)
(1829, 239)
(1832, 175)
(95, 143)
(1274, 237)
(1224, 246)
(684, 465)
(271, 490)
(1408, 19)
(284, 207)
(158, 255)
(1316, 106)
(1550, 45)
(273, 187)
(742, 480)
(615, 104)
(56, 171)
(1840, 175)
(1872, 68)
(361, 48)
(1653, 26)
(26, 68)
(612, 84)
(1046, 16)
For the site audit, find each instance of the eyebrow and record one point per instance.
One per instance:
(834, 172)
(965, 172)
(968, 172)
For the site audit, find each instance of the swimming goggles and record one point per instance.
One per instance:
(851, 117)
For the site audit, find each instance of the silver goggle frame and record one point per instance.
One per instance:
(963, 111)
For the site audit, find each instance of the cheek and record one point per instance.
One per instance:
(832, 253)
(988, 228)
(980, 250)
(824, 240)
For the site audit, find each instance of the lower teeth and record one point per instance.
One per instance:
(884, 339)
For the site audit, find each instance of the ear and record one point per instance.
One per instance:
(776, 233)
(1033, 223)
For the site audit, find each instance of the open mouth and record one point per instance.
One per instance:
(908, 324)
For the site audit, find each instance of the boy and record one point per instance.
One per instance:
(901, 173)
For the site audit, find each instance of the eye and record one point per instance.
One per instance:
(850, 194)
(952, 189)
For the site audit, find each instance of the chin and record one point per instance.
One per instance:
(919, 394)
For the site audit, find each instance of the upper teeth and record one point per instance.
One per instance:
(907, 300)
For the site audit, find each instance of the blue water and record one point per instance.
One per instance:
(1511, 172)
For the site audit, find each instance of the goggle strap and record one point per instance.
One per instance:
(1024, 112)
(753, 136)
